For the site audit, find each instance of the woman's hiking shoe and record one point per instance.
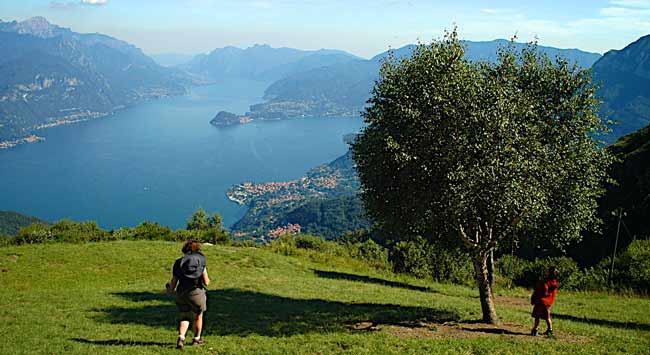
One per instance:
(533, 332)
(179, 343)
(199, 341)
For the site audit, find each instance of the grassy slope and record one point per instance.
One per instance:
(105, 298)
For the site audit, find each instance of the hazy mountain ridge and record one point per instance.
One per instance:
(51, 75)
(342, 89)
(261, 62)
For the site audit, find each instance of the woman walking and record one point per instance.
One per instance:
(190, 277)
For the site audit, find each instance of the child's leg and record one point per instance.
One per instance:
(549, 323)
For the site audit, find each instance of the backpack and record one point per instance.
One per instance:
(192, 265)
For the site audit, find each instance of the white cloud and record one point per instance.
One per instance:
(631, 3)
(68, 5)
(625, 12)
(59, 5)
(94, 2)
(498, 11)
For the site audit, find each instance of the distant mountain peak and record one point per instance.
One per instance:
(37, 21)
(37, 26)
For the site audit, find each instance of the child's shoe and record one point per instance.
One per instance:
(549, 332)
(533, 332)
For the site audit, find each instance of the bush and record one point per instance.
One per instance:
(284, 245)
(422, 259)
(123, 234)
(590, 279)
(307, 241)
(411, 257)
(182, 235)
(78, 232)
(527, 273)
(217, 237)
(371, 252)
(33, 233)
(153, 231)
(632, 268)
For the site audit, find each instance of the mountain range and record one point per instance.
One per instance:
(343, 88)
(262, 62)
(50, 75)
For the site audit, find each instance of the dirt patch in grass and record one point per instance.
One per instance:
(513, 301)
(454, 330)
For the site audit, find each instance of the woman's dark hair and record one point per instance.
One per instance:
(191, 246)
(552, 273)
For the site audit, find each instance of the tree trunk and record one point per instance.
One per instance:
(490, 269)
(485, 289)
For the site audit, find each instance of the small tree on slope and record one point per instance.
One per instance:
(481, 152)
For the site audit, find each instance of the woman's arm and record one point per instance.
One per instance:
(171, 285)
(206, 279)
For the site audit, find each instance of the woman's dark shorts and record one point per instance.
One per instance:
(193, 301)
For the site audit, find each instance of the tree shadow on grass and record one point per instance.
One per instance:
(118, 342)
(603, 322)
(361, 278)
(494, 330)
(241, 313)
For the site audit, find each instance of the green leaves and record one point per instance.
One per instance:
(495, 149)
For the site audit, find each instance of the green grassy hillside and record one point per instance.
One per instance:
(105, 298)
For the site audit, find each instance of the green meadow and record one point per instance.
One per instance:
(106, 298)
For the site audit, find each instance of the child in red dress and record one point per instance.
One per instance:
(542, 300)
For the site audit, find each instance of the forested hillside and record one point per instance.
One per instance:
(11, 222)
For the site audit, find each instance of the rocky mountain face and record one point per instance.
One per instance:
(50, 75)
(625, 78)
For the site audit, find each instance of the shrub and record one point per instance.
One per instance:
(307, 241)
(182, 235)
(371, 252)
(153, 231)
(411, 257)
(590, 279)
(632, 268)
(78, 232)
(123, 234)
(216, 236)
(284, 245)
(33, 233)
(423, 259)
(510, 267)
(527, 273)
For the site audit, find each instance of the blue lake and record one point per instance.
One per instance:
(161, 160)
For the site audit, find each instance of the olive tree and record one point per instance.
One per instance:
(481, 151)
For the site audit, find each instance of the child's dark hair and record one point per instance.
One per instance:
(191, 246)
(552, 273)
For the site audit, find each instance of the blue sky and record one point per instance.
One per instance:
(363, 27)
